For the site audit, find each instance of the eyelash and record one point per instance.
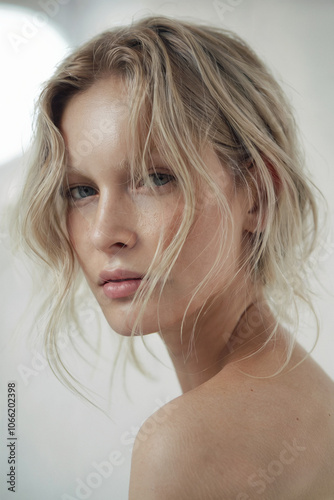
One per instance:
(155, 175)
(70, 192)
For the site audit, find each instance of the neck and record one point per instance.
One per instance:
(225, 331)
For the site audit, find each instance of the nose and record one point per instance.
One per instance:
(112, 225)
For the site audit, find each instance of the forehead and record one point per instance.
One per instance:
(94, 122)
(99, 108)
(95, 126)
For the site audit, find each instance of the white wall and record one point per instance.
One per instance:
(59, 436)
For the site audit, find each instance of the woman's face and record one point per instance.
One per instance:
(115, 229)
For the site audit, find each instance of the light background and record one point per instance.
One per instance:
(59, 436)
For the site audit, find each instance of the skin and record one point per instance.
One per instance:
(222, 408)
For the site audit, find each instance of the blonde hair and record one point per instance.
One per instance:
(196, 85)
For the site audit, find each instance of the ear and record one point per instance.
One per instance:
(256, 218)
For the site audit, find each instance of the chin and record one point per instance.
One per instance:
(125, 328)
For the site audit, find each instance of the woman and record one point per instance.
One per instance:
(167, 169)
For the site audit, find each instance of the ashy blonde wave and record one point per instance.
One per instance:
(189, 85)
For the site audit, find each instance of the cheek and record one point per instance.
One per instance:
(78, 230)
(159, 222)
(205, 233)
(211, 241)
(170, 226)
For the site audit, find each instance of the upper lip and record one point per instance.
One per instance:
(117, 275)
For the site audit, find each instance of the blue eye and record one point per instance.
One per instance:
(80, 192)
(159, 179)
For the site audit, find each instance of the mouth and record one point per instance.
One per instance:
(119, 283)
(118, 275)
(119, 289)
(120, 280)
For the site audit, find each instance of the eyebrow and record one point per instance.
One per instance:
(71, 169)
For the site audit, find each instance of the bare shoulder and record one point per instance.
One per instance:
(237, 437)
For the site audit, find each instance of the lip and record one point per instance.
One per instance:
(118, 275)
(119, 283)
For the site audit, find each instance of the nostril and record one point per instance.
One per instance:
(115, 237)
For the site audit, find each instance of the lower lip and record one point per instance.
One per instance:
(120, 289)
